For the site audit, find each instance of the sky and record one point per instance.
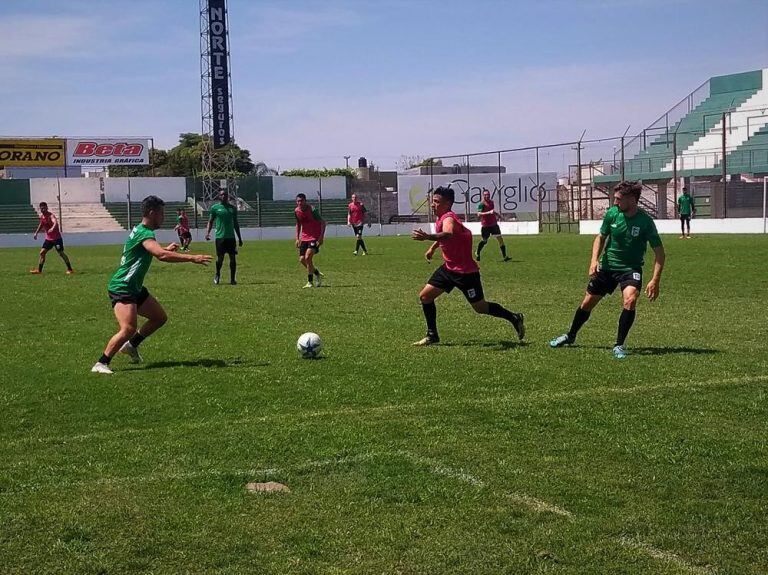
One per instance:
(314, 81)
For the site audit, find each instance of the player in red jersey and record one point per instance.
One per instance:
(356, 216)
(458, 270)
(50, 225)
(182, 229)
(310, 230)
(489, 225)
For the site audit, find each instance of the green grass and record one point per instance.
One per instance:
(476, 456)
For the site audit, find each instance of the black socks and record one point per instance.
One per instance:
(579, 319)
(136, 339)
(496, 310)
(430, 314)
(626, 319)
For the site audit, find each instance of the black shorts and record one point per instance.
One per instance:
(488, 231)
(50, 244)
(605, 281)
(685, 218)
(304, 246)
(138, 299)
(469, 284)
(226, 246)
(358, 230)
(185, 236)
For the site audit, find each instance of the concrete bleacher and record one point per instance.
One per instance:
(119, 212)
(18, 219)
(267, 213)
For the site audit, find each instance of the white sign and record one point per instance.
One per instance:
(517, 193)
(285, 188)
(107, 152)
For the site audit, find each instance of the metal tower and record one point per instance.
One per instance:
(218, 157)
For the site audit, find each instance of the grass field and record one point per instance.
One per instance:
(478, 456)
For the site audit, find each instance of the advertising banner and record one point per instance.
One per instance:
(217, 35)
(38, 152)
(517, 193)
(107, 152)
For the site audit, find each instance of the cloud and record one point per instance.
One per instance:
(30, 37)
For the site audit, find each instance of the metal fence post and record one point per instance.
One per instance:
(538, 192)
(129, 204)
(58, 201)
(725, 174)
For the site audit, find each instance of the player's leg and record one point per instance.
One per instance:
(484, 235)
(688, 225)
(361, 241)
(311, 253)
(220, 252)
(472, 287)
(429, 293)
(63, 256)
(41, 259)
(630, 295)
(305, 257)
(233, 263)
(682, 227)
(126, 315)
(579, 318)
(502, 247)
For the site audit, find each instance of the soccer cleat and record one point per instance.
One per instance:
(319, 280)
(365, 253)
(518, 322)
(233, 282)
(618, 352)
(354, 253)
(682, 237)
(99, 367)
(131, 351)
(308, 285)
(70, 272)
(216, 279)
(35, 271)
(507, 259)
(560, 341)
(429, 339)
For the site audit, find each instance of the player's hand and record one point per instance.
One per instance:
(369, 224)
(202, 259)
(298, 243)
(419, 235)
(240, 243)
(652, 290)
(34, 237)
(172, 247)
(429, 254)
(320, 242)
(593, 268)
(207, 237)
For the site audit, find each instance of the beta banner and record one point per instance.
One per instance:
(516, 193)
(47, 152)
(107, 152)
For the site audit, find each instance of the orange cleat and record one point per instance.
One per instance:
(70, 272)
(35, 271)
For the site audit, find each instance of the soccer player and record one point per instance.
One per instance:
(489, 225)
(50, 225)
(310, 230)
(225, 216)
(126, 287)
(356, 217)
(686, 208)
(458, 270)
(182, 229)
(624, 234)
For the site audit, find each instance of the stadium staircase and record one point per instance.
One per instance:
(269, 213)
(91, 217)
(119, 211)
(18, 219)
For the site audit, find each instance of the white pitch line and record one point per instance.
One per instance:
(539, 504)
(667, 556)
(438, 468)
(353, 411)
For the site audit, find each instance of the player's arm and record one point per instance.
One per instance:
(349, 216)
(597, 249)
(420, 235)
(237, 228)
(55, 224)
(37, 231)
(652, 289)
(693, 207)
(298, 231)
(210, 225)
(169, 254)
(431, 251)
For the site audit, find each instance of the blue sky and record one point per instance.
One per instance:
(314, 81)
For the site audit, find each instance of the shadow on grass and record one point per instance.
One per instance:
(501, 345)
(661, 350)
(205, 362)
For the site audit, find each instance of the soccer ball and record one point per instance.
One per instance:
(309, 345)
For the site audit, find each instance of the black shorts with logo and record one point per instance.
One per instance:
(185, 236)
(226, 246)
(304, 246)
(358, 230)
(605, 281)
(50, 244)
(685, 218)
(469, 284)
(138, 299)
(488, 231)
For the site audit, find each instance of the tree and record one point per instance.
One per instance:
(407, 162)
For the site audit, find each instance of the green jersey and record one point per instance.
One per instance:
(129, 277)
(627, 239)
(685, 205)
(225, 219)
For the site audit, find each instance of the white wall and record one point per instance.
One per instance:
(73, 190)
(285, 188)
(698, 226)
(169, 189)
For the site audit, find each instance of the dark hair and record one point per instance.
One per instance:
(301, 196)
(446, 192)
(151, 203)
(43, 204)
(628, 188)
(685, 188)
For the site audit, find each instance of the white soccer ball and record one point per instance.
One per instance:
(309, 345)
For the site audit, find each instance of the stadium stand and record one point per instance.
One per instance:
(119, 211)
(17, 219)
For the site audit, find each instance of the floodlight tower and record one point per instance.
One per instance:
(218, 157)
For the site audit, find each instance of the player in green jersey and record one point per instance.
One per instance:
(686, 208)
(126, 287)
(617, 259)
(224, 215)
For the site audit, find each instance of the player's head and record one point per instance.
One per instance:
(442, 200)
(626, 194)
(180, 211)
(224, 196)
(685, 189)
(152, 212)
(301, 200)
(43, 207)
(486, 194)
(354, 198)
